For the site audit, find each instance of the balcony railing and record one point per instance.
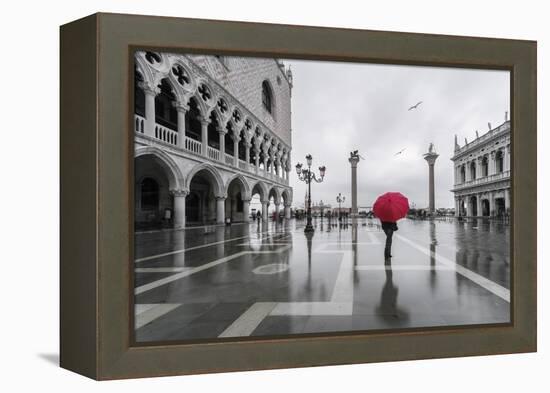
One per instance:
(139, 124)
(166, 135)
(193, 146)
(213, 154)
(486, 179)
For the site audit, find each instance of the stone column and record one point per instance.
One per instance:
(246, 210)
(287, 211)
(222, 133)
(179, 207)
(457, 206)
(247, 146)
(181, 109)
(236, 139)
(277, 210)
(204, 136)
(492, 163)
(220, 210)
(507, 200)
(478, 200)
(264, 210)
(150, 94)
(468, 206)
(353, 160)
(257, 154)
(430, 158)
(467, 173)
(507, 158)
(492, 204)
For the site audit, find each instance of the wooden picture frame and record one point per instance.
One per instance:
(96, 195)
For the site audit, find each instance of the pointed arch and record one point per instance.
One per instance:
(286, 196)
(174, 174)
(245, 187)
(274, 191)
(217, 181)
(144, 69)
(261, 188)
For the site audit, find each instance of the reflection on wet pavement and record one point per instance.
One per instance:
(271, 279)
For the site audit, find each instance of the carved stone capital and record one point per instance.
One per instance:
(204, 121)
(181, 107)
(179, 193)
(150, 89)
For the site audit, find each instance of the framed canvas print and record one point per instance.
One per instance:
(240, 196)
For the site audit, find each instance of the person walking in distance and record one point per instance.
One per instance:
(389, 228)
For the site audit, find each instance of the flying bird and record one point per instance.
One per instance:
(399, 152)
(415, 106)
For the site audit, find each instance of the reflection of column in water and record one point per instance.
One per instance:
(354, 243)
(309, 237)
(433, 243)
(220, 237)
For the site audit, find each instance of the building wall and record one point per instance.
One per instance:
(177, 158)
(493, 188)
(243, 77)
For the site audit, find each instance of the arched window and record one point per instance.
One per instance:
(149, 194)
(139, 95)
(193, 128)
(267, 96)
(499, 160)
(166, 113)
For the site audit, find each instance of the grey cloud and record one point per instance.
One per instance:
(339, 107)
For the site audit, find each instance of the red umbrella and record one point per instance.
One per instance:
(391, 206)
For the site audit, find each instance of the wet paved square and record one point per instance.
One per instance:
(257, 280)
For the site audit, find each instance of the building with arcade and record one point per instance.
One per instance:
(482, 174)
(211, 133)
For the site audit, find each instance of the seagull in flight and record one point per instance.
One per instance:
(415, 106)
(400, 151)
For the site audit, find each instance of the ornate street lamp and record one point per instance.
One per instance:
(307, 176)
(340, 199)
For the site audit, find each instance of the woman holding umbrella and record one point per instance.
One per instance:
(389, 208)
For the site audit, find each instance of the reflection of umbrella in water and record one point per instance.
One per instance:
(388, 309)
(391, 206)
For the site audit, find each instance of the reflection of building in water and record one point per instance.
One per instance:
(482, 173)
(210, 132)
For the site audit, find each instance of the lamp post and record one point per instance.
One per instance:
(340, 199)
(307, 176)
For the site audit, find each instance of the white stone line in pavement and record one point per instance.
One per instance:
(152, 313)
(174, 277)
(140, 308)
(350, 244)
(190, 271)
(249, 320)
(404, 267)
(489, 285)
(277, 251)
(262, 244)
(374, 239)
(197, 247)
(173, 269)
(343, 291)
(312, 308)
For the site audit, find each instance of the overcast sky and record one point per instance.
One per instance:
(339, 107)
